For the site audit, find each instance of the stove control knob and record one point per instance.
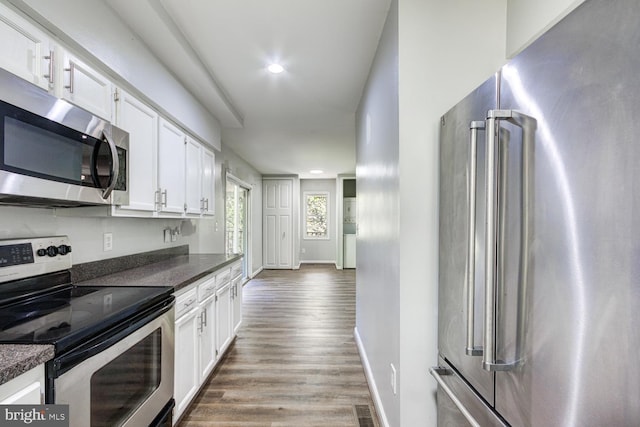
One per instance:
(41, 252)
(64, 249)
(52, 251)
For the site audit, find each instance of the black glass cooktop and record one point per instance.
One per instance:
(70, 315)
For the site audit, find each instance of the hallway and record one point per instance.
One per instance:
(295, 361)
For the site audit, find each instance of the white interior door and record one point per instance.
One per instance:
(278, 223)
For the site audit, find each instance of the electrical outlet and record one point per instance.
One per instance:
(107, 242)
(167, 235)
(394, 379)
(303, 250)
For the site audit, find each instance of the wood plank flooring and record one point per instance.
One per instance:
(295, 361)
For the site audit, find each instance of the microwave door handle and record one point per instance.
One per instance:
(115, 165)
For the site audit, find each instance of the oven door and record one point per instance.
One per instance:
(126, 384)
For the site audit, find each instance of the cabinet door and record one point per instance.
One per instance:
(207, 338)
(237, 303)
(171, 164)
(186, 378)
(208, 180)
(193, 191)
(85, 87)
(223, 318)
(25, 49)
(142, 124)
(25, 389)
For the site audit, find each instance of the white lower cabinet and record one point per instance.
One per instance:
(186, 378)
(236, 289)
(204, 330)
(223, 318)
(207, 342)
(25, 389)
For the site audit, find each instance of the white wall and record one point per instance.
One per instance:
(446, 50)
(319, 250)
(378, 242)
(528, 19)
(130, 235)
(90, 26)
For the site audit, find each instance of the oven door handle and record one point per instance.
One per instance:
(106, 339)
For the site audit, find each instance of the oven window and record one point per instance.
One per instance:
(119, 388)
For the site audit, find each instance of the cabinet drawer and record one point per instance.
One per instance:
(206, 289)
(223, 276)
(186, 302)
(236, 269)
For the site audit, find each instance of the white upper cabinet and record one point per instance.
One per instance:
(193, 202)
(208, 181)
(26, 50)
(171, 167)
(200, 179)
(84, 86)
(142, 124)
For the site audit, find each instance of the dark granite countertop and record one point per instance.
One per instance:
(16, 359)
(178, 272)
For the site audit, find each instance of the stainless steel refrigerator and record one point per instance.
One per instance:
(539, 271)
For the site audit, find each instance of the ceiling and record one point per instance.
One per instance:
(288, 123)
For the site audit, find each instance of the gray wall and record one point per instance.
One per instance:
(378, 255)
(319, 250)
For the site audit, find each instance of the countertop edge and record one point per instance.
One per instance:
(202, 274)
(16, 359)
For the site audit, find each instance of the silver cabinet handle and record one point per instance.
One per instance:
(71, 70)
(470, 266)
(493, 246)
(115, 165)
(163, 198)
(437, 373)
(156, 199)
(50, 57)
(206, 207)
(283, 234)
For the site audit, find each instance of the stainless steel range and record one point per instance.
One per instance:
(114, 346)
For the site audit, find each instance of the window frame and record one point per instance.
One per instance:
(326, 195)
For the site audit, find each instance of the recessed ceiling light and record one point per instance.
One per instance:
(316, 171)
(275, 68)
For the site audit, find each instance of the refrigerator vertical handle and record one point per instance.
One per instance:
(528, 124)
(470, 266)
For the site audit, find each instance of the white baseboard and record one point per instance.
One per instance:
(372, 382)
(306, 261)
(255, 273)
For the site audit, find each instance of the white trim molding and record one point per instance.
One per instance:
(372, 382)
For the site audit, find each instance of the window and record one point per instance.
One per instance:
(316, 215)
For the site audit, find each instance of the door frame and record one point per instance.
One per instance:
(248, 265)
(340, 218)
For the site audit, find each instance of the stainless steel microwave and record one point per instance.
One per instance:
(53, 153)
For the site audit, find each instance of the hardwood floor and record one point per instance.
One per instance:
(295, 361)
